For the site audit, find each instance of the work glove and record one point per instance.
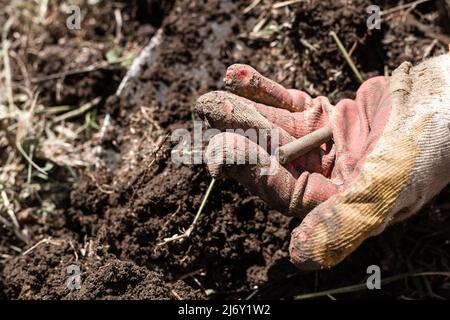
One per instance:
(389, 153)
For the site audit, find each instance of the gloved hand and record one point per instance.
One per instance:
(390, 153)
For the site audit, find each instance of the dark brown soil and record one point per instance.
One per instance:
(110, 222)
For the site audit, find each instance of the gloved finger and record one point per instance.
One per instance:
(407, 164)
(334, 229)
(224, 110)
(234, 156)
(246, 82)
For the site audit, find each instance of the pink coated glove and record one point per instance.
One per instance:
(390, 153)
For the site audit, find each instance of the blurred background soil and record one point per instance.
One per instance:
(86, 177)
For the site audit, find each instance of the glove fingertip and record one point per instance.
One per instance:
(214, 156)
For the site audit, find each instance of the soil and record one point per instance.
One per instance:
(111, 220)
